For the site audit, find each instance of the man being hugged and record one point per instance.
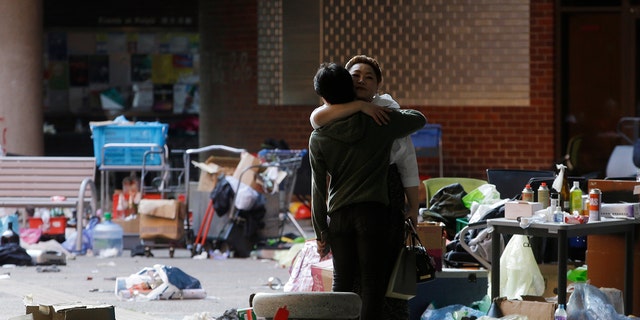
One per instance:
(350, 202)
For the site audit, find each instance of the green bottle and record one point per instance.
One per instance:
(576, 198)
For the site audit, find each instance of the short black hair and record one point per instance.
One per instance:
(334, 83)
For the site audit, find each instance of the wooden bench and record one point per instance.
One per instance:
(48, 182)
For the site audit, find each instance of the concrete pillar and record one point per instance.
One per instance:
(21, 79)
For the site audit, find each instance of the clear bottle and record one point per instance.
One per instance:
(527, 193)
(576, 198)
(558, 215)
(543, 195)
(561, 313)
(553, 203)
(107, 238)
(565, 195)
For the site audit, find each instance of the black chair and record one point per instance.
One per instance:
(510, 182)
(535, 183)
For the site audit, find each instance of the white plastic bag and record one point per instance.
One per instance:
(519, 271)
(246, 197)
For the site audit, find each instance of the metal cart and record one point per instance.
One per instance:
(286, 161)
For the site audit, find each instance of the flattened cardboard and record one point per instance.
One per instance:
(210, 170)
(247, 177)
(71, 311)
(535, 308)
(161, 208)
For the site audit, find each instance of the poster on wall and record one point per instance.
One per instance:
(162, 97)
(79, 70)
(57, 75)
(98, 68)
(140, 67)
(120, 69)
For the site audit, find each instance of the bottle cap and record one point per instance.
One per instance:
(107, 216)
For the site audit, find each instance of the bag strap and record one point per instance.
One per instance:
(410, 231)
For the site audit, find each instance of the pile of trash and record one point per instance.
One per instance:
(159, 282)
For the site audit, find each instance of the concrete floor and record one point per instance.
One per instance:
(91, 280)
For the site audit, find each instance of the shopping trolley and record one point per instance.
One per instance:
(288, 162)
(285, 162)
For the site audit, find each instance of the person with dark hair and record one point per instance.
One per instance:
(333, 83)
(350, 199)
(403, 175)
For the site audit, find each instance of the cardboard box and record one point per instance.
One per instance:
(550, 275)
(614, 191)
(248, 177)
(72, 311)
(515, 209)
(431, 235)
(155, 227)
(535, 308)
(161, 208)
(322, 274)
(129, 225)
(211, 168)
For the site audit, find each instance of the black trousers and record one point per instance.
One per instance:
(361, 244)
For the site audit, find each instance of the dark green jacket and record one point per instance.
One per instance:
(354, 153)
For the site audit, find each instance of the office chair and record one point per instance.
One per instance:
(432, 185)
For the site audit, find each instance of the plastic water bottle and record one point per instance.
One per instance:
(107, 238)
(561, 313)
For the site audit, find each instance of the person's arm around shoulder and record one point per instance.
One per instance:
(328, 113)
(405, 121)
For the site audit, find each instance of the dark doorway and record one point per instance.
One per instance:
(592, 89)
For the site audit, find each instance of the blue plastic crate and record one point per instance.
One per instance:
(427, 140)
(139, 132)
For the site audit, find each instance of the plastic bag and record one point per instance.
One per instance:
(484, 194)
(578, 274)
(590, 303)
(87, 236)
(519, 271)
(450, 312)
(160, 283)
(301, 279)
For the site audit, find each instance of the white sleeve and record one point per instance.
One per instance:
(313, 113)
(403, 153)
(405, 158)
(385, 100)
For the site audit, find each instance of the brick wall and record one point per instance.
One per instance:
(474, 137)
